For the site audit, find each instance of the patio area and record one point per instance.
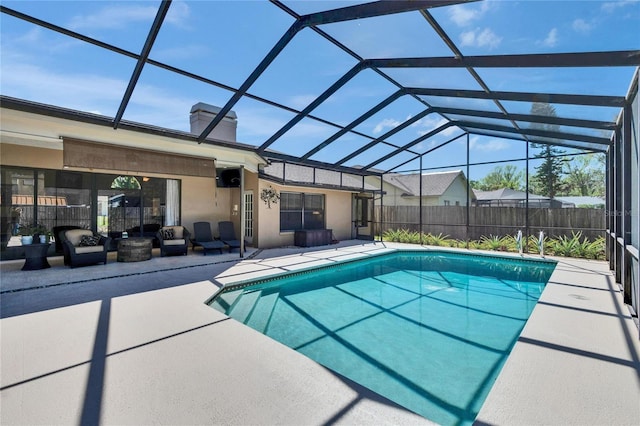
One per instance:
(134, 343)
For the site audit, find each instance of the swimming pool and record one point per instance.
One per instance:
(428, 330)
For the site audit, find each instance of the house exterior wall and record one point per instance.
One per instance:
(457, 191)
(337, 215)
(34, 141)
(30, 156)
(201, 200)
(393, 195)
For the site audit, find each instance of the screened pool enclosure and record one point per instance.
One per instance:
(444, 120)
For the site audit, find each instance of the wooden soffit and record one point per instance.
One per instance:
(93, 155)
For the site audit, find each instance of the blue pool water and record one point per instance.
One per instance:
(430, 331)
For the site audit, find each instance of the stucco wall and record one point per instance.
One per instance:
(30, 156)
(337, 214)
(202, 201)
(456, 192)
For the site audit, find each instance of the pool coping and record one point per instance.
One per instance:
(241, 283)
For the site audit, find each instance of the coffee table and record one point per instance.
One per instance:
(134, 249)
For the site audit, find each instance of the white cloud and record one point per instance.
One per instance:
(114, 17)
(121, 15)
(488, 146)
(178, 14)
(468, 38)
(581, 26)
(387, 123)
(465, 15)
(480, 38)
(431, 123)
(552, 38)
(488, 38)
(612, 6)
(33, 82)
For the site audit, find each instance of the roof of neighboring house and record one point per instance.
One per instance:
(433, 184)
(581, 201)
(43, 200)
(506, 194)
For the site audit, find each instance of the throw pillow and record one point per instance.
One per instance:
(89, 240)
(167, 234)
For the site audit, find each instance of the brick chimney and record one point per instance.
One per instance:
(201, 115)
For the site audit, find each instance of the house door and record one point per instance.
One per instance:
(363, 216)
(248, 216)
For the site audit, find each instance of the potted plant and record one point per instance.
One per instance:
(26, 234)
(43, 233)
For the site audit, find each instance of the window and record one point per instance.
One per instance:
(301, 211)
(447, 202)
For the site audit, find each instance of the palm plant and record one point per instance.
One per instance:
(492, 242)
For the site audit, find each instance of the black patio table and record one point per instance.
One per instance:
(36, 256)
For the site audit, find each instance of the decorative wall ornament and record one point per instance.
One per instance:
(269, 196)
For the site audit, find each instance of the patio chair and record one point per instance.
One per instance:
(228, 235)
(84, 247)
(202, 237)
(173, 240)
(58, 235)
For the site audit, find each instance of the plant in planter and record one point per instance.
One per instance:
(44, 235)
(26, 232)
(31, 234)
(269, 196)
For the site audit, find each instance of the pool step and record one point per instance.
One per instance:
(260, 316)
(225, 301)
(243, 306)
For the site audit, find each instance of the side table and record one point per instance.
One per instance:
(36, 256)
(134, 249)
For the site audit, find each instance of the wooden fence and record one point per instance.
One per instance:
(485, 221)
(119, 219)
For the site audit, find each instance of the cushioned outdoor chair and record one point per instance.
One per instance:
(84, 247)
(202, 237)
(228, 235)
(58, 235)
(173, 240)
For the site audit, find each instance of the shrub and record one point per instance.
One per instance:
(574, 246)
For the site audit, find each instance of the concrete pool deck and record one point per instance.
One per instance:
(134, 343)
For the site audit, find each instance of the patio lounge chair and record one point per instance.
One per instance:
(228, 235)
(84, 247)
(173, 240)
(203, 237)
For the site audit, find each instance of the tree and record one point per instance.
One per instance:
(502, 177)
(585, 176)
(547, 180)
(125, 182)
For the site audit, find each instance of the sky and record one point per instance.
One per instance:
(225, 40)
